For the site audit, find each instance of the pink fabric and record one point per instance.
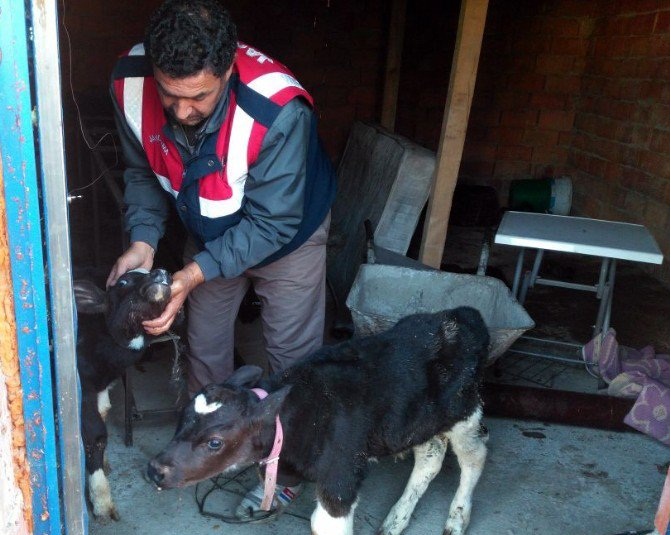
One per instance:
(272, 460)
(641, 374)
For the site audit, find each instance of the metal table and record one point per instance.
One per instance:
(609, 240)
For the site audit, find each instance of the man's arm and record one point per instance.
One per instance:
(146, 205)
(274, 196)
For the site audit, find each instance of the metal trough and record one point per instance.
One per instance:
(383, 294)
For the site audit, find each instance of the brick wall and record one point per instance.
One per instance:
(620, 148)
(527, 90)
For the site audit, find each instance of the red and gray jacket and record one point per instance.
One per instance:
(209, 189)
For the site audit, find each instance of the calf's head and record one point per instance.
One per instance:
(137, 296)
(224, 428)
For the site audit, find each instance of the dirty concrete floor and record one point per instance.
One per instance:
(540, 478)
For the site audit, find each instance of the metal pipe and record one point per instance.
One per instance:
(556, 406)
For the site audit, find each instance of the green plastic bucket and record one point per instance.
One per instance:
(543, 195)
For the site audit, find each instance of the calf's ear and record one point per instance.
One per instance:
(89, 298)
(245, 376)
(268, 408)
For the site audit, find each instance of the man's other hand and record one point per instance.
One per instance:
(183, 282)
(138, 255)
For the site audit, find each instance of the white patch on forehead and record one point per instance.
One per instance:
(136, 343)
(139, 270)
(203, 407)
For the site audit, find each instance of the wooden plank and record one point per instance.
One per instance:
(455, 120)
(393, 66)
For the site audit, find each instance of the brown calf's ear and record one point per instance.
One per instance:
(245, 376)
(89, 298)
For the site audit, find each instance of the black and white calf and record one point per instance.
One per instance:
(110, 339)
(415, 386)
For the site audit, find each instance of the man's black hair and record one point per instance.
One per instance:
(185, 37)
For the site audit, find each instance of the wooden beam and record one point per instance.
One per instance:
(393, 67)
(455, 120)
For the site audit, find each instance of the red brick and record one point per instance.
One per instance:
(608, 46)
(662, 22)
(479, 151)
(574, 46)
(604, 148)
(549, 155)
(477, 169)
(655, 187)
(572, 8)
(512, 100)
(566, 84)
(530, 82)
(566, 27)
(632, 178)
(519, 118)
(556, 120)
(537, 137)
(554, 64)
(484, 117)
(505, 135)
(511, 135)
(548, 101)
(592, 85)
(651, 68)
(657, 90)
(613, 172)
(565, 139)
(512, 168)
(654, 163)
(513, 152)
(530, 47)
(368, 96)
(643, 24)
(660, 141)
(596, 167)
(616, 109)
(587, 27)
(635, 204)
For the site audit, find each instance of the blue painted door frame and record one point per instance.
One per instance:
(27, 219)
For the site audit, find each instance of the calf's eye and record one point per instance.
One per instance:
(215, 444)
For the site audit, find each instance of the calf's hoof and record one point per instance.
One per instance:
(105, 515)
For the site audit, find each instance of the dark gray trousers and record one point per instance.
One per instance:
(292, 291)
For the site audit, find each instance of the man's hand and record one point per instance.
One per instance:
(182, 283)
(138, 255)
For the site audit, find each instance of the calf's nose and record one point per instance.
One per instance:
(156, 472)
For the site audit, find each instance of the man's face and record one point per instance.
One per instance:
(190, 100)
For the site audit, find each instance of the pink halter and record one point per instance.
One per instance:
(272, 460)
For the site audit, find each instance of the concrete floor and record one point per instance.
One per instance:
(539, 478)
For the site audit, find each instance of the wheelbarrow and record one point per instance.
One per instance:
(382, 294)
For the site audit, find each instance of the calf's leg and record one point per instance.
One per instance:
(428, 461)
(323, 523)
(94, 435)
(468, 444)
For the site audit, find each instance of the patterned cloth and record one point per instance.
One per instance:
(631, 373)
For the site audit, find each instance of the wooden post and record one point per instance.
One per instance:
(393, 67)
(455, 120)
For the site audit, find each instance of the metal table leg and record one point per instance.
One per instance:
(518, 272)
(603, 316)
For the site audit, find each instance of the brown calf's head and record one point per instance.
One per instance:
(223, 428)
